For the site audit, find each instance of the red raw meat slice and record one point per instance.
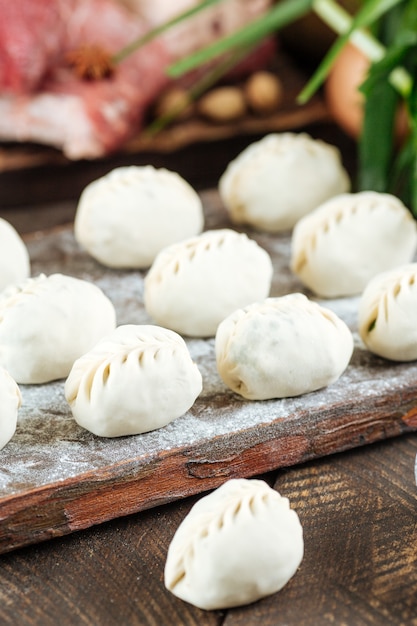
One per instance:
(31, 36)
(88, 119)
(43, 100)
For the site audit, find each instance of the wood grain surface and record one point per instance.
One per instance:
(56, 478)
(358, 510)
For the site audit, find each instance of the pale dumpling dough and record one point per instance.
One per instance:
(126, 217)
(238, 544)
(279, 179)
(14, 256)
(282, 347)
(10, 401)
(388, 314)
(338, 248)
(47, 322)
(137, 379)
(192, 286)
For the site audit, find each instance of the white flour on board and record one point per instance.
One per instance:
(50, 447)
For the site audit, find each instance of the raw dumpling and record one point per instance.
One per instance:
(240, 543)
(192, 286)
(136, 379)
(49, 321)
(126, 217)
(279, 179)
(10, 401)
(339, 247)
(282, 347)
(14, 256)
(388, 314)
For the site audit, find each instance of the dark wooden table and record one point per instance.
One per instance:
(359, 514)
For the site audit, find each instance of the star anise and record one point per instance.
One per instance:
(91, 62)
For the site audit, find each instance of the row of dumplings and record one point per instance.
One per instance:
(212, 283)
(129, 379)
(284, 181)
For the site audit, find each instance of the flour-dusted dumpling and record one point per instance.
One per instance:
(338, 248)
(282, 347)
(47, 322)
(137, 379)
(10, 401)
(14, 256)
(192, 286)
(388, 314)
(279, 179)
(240, 543)
(126, 217)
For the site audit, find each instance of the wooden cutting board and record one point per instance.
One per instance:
(56, 478)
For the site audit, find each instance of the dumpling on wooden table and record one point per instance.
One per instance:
(125, 218)
(14, 256)
(10, 401)
(274, 182)
(282, 347)
(193, 285)
(339, 247)
(388, 314)
(238, 544)
(47, 322)
(136, 379)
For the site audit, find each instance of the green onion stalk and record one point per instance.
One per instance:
(385, 31)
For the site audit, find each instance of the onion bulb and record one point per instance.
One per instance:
(344, 101)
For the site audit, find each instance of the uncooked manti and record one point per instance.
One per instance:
(10, 401)
(136, 379)
(282, 347)
(388, 314)
(340, 246)
(47, 322)
(126, 217)
(240, 543)
(14, 256)
(279, 179)
(192, 286)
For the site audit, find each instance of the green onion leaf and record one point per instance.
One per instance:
(154, 32)
(336, 17)
(280, 15)
(376, 143)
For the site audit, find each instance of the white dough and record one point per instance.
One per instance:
(10, 401)
(240, 543)
(282, 347)
(338, 248)
(192, 286)
(14, 256)
(137, 379)
(279, 179)
(388, 314)
(49, 321)
(126, 217)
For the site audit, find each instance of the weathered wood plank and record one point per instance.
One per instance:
(360, 564)
(56, 478)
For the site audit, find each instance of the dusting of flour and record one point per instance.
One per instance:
(49, 446)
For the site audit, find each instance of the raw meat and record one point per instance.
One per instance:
(44, 101)
(86, 119)
(23, 62)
